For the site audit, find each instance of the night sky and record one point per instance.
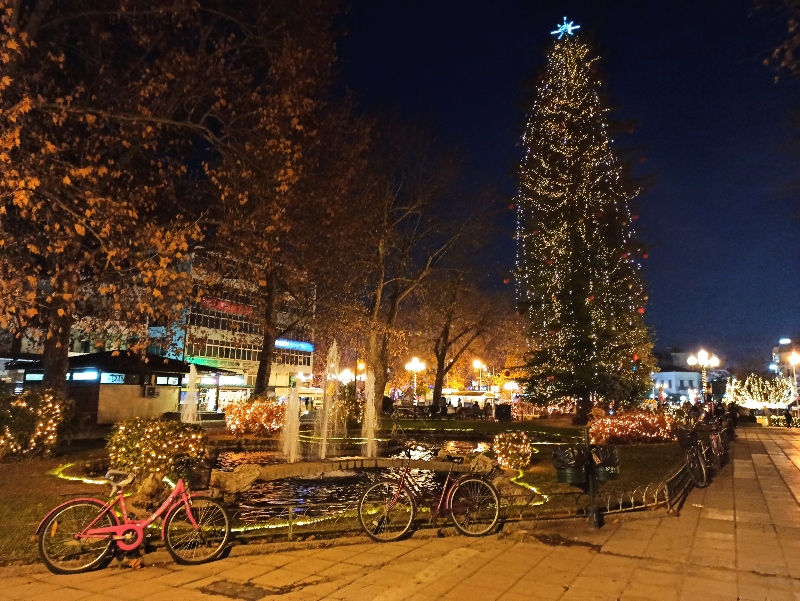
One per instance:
(721, 220)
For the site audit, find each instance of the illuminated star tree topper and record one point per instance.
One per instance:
(565, 28)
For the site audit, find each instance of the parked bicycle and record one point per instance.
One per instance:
(387, 509)
(702, 456)
(77, 536)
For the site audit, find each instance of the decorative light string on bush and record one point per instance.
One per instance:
(633, 427)
(512, 450)
(30, 423)
(261, 416)
(149, 446)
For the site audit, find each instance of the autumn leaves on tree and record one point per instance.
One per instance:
(150, 149)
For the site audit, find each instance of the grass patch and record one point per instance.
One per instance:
(27, 493)
(639, 465)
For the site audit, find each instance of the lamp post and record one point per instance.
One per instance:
(346, 377)
(415, 365)
(794, 359)
(704, 360)
(478, 364)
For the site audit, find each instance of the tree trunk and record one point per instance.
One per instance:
(439, 382)
(374, 362)
(584, 407)
(268, 344)
(55, 355)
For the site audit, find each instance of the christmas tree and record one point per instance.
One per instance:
(578, 273)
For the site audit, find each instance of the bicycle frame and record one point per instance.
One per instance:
(121, 531)
(417, 492)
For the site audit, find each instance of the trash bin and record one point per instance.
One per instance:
(606, 462)
(502, 413)
(571, 463)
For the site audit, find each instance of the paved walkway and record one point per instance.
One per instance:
(737, 539)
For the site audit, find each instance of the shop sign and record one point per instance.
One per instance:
(106, 378)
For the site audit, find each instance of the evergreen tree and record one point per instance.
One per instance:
(578, 271)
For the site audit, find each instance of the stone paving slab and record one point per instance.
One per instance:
(739, 538)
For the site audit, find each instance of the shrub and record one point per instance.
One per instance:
(513, 450)
(149, 446)
(29, 423)
(261, 416)
(634, 427)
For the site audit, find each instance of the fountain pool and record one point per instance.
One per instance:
(338, 492)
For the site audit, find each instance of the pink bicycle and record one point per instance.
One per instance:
(77, 536)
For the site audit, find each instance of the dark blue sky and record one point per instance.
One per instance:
(722, 220)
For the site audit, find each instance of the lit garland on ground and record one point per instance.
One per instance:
(633, 427)
(512, 450)
(59, 473)
(261, 416)
(29, 423)
(149, 446)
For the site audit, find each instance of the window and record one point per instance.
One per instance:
(682, 386)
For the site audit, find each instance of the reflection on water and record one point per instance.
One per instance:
(313, 498)
(337, 492)
(230, 459)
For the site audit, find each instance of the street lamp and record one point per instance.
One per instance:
(704, 360)
(415, 366)
(346, 377)
(794, 359)
(478, 364)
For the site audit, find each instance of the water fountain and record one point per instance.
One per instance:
(291, 427)
(189, 412)
(370, 447)
(330, 389)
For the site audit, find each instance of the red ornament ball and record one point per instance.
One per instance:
(506, 281)
(634, 217)
(549, 261)
(645, 255)
(640, 310)
(550, 378)
(636, 357)
(591, 297)
(511, 206)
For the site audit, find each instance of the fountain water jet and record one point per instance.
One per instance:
(330, 389)
(370, 417)
(291, 427)
(189, 410)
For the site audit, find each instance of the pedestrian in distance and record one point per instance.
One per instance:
(788, 415)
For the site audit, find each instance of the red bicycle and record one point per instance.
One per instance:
(77, 536)
(388, 508)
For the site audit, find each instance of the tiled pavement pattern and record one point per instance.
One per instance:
(737, 539)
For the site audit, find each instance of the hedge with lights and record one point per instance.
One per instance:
(261, 416)
(29, 423)
(512, 450)
(150, 446)
(634, 427)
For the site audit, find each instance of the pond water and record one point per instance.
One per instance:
(339, 492)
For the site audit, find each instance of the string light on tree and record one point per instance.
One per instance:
(578, 277)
